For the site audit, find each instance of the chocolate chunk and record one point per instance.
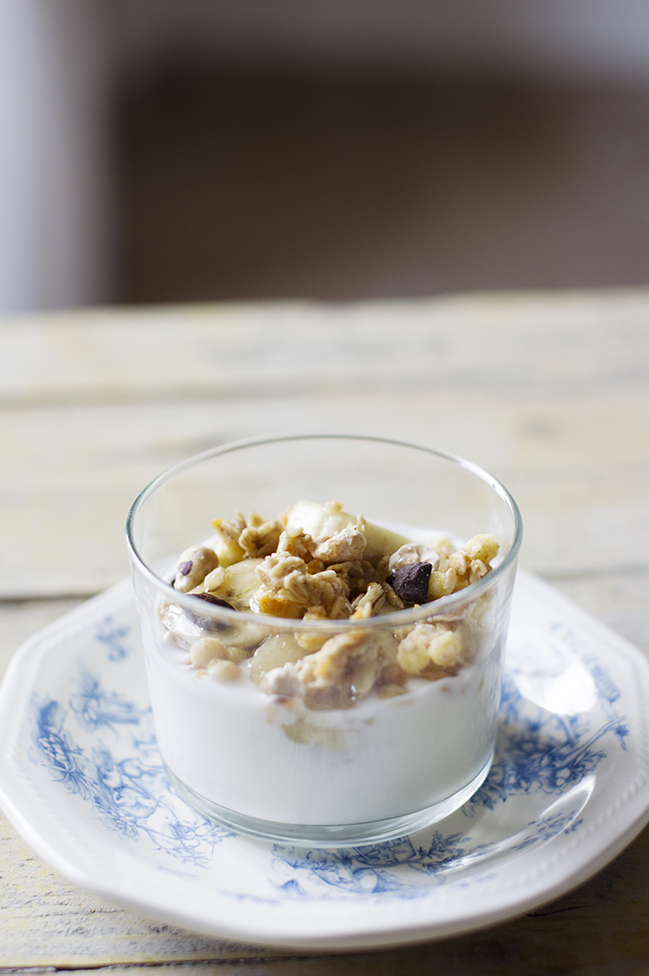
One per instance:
(411, 582)
(205, 623)
(185, 568)
(210, 598)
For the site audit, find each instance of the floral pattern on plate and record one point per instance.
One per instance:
(82, 778)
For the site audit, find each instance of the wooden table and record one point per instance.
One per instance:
(548, 391)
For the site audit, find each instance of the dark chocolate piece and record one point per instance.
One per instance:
(210, 598)
(411, 582)
(206, 623)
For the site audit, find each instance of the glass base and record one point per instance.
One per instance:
(328, 835)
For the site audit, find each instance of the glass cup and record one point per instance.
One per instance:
(310, 730)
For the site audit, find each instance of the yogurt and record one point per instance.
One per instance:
(380, 720)
(279, 761)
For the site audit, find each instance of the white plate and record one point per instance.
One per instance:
(81, 780)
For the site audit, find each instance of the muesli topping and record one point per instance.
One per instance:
(317, 562)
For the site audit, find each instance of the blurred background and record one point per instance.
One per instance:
(173, 150)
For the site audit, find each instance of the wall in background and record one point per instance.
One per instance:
(578, 39)
(63, 61)
(57, 72)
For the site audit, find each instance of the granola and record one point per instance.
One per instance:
(317, 562)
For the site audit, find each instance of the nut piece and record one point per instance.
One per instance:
(345, 669)
(430, 644)
(273, 653)
(208, 649)
(464, 566)
(413, 552)
(193, 566)
(346, 545)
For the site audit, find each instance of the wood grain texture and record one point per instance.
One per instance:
(543, 341)
(578, 466)
(19, 620)
(620, 600)
(548, 391)
(45, 921)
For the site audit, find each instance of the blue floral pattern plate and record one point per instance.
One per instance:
(81, 779)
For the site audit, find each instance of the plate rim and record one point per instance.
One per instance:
(548, 884)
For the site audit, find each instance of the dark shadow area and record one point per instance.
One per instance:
(238, 186)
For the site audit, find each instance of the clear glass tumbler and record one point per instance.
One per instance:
(363, 709)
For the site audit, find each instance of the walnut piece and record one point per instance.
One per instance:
(347, 545)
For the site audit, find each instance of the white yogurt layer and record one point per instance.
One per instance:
(282, 762)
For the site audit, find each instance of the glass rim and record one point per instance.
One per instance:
(398, 617)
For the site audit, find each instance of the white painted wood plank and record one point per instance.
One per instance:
(620, 600)
(20, 620)
(46, 921)
(578, 466)
(550, 392)
(495, 340)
